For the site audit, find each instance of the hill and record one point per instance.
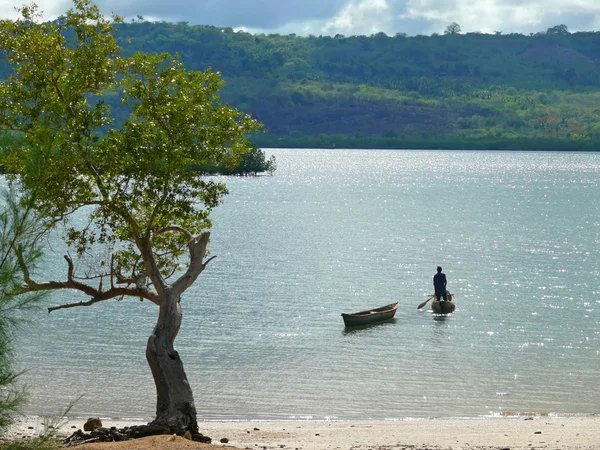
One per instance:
(446, 91)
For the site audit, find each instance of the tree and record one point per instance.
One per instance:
(143, 204)
(17, 231)
(253, 163)
(453, 28)
(558, 29)
(594, 132)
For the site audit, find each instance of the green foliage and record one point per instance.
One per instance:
(410, 86)
(594, 132)
(253, 162)
(476, 59)
(18, 234)
(131, 175)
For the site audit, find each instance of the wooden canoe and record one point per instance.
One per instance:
(370, 315)
(444, 307)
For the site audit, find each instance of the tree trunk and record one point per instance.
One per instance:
(175, 410)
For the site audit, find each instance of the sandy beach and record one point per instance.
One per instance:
(515, 432)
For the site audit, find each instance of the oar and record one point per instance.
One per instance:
(425, 302)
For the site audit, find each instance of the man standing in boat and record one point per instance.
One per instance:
(439, 284)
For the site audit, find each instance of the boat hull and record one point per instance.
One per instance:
(444, 307)
(370, 315)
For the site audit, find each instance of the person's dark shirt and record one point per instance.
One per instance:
(439, 282)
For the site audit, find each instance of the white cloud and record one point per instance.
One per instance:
(507, 15)
(361, 17)
(51, 9)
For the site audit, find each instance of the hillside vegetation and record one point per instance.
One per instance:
(453, 90)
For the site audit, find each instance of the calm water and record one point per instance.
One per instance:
(518, 235)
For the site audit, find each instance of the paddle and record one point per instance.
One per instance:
(425, 302)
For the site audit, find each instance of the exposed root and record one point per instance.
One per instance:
(115, 434)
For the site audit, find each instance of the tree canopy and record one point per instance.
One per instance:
(136, 177)
(453, 28)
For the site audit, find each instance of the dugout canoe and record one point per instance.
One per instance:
(444, 307)
(370, 315)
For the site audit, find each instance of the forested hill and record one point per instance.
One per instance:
(540, 90)
(430, 65)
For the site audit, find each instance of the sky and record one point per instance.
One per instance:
(349, 17)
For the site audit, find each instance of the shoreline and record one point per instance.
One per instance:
(581, 432)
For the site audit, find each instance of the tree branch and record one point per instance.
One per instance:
(157, 207)
(96, 294)
(73, 305)
(197, 247)
(150, 266)
(175, 228)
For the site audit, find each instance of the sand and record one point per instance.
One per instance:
(518, 432)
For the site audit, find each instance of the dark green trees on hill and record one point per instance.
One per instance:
(460, 87)
(340, 91)
(524, 62)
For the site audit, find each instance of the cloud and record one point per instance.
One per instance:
(350, 16)
(264, 14)
(51, 8)
(506, 15)
(360, 17)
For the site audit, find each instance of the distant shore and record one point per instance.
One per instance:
(348, 142)
(515, 432)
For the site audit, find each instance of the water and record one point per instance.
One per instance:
(339, 231)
